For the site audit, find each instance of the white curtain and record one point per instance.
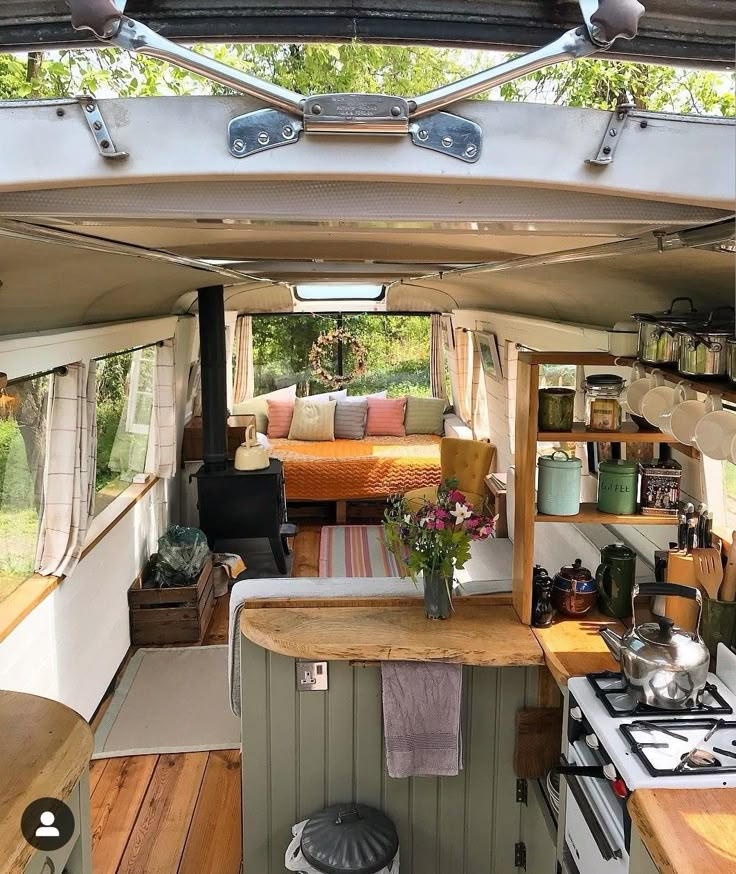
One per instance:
(161, 457)
(437, 358)
(71, 457)
(244, 377)
(462, 373)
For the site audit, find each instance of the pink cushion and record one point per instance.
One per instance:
(280, 414)
(386, 417)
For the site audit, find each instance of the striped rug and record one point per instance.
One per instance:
(356, 551)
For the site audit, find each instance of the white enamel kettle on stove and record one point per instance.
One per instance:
(250, 455)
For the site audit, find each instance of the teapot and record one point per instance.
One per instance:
(663, 666)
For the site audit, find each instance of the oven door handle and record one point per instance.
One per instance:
(596, 829)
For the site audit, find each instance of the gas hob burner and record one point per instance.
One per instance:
(610, 689)
(683, 746)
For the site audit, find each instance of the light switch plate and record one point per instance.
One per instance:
(311, 676)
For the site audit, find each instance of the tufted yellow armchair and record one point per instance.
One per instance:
(467, 461)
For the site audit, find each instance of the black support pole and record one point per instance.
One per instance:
(214, 379)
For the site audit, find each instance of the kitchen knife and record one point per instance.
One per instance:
(728, 587)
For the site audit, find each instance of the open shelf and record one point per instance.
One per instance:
(723, 387)
(591, 513)
(629, 433)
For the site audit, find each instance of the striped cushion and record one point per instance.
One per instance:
(424, 415)
(350, 416)
(313, 421)
(386, 417)
(280, 414)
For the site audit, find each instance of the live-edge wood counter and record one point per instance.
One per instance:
(45, 749)
(474, 635)
(573, 647)
(687, 830)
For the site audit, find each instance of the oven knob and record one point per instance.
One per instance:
(609, 772)
(592, 741)
(619, 787)
(576, 713)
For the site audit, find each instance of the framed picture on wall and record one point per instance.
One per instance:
(487, 346)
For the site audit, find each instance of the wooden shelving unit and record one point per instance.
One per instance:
(629, 433)
(591, 513)
(527, 438)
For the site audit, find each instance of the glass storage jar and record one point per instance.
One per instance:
(603, 402)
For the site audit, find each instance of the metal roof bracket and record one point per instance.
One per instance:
(96, 123)
(612, 136)
(373, 114)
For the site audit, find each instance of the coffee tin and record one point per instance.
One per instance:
(617, 487)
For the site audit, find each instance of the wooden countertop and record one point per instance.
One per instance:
(573, 647)
(474, 635)
(687, 831)
(44, 749)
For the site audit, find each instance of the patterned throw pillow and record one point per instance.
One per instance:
(280, 414)
(424, 415)
(313, 421)
(386, 417)
(350, 416)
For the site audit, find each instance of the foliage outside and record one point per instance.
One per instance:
(404, 70)
(22, 456)
(397, 353)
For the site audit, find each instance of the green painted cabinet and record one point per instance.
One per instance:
(305, 750)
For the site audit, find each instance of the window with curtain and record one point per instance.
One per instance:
(398, 352)
(23, 415)
(124, 404)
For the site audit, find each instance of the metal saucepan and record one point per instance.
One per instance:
(731, 359)
(703, 351)
(657, 344)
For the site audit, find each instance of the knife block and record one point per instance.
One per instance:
(683, 612)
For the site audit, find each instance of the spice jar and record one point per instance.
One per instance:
(556, 409)
(617, 487)
(603, 402)
(660, 487)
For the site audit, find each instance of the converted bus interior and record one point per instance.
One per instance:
(234, 388)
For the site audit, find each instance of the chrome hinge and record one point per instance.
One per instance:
(522, 792)
(96, 123)
(612, 136)
(520, 855)
(374, 114)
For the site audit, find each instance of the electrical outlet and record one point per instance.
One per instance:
(311, 676)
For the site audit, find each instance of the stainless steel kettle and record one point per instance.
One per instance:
(663, 666)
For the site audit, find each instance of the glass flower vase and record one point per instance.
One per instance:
(437, 595)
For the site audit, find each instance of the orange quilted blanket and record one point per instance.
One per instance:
(374, 467)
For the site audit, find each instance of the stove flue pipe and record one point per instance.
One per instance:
(214, 379)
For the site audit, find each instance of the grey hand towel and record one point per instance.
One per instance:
(421, 718)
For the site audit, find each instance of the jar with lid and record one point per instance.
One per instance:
(603, 402)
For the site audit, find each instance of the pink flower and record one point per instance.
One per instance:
(439, 524)
(430, 522)
(456, 497)
(473, 522)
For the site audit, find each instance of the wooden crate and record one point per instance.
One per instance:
(191, 449)
(176, 615)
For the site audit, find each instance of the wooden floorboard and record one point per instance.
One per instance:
(214, 841)
(157, 842)
(116, 803)
(96, 770)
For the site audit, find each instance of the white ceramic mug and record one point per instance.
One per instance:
(660, 399)
(638, 387)
(684, 392)
(715, 433)
(685, 417)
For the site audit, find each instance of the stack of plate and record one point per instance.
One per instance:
(553, 789)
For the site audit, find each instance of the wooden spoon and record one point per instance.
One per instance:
(728, 589)
(709, 570)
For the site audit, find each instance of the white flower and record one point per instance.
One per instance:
(407, 519)
(461, 513)
(422, 522)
